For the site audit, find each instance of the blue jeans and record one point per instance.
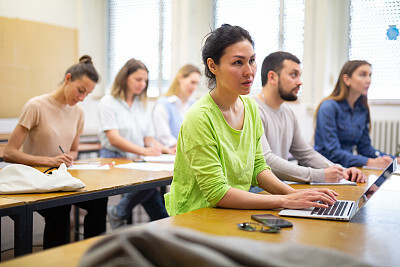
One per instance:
(255, 189)
(150, 199)
(105, 153)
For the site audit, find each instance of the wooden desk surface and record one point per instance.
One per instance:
(7, 202)
(372, 235)
(98, 180)
(4, 136)
(99, 184)
(64, 256)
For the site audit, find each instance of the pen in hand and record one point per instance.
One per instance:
(336, 176)
(68, 161)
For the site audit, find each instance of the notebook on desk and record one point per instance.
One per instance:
(343, 210)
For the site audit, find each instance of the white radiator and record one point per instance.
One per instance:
(385, 136)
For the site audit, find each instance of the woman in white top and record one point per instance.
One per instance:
(170, 109)
(127, 131)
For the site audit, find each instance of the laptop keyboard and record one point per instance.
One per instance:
(336, 209)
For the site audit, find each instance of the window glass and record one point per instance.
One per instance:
(128, 38)
(293, 28)
(263, 19)
(369, 24)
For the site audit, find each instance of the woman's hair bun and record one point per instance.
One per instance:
(86, 59)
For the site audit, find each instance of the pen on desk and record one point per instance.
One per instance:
(61, 149)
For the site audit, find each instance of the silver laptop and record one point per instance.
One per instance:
(343, 210)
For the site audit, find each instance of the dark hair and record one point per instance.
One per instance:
(215, 45)
(119, 87)
(83, 68)
(341, 90)
(274, 62)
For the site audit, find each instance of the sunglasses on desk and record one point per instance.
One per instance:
(257, 227)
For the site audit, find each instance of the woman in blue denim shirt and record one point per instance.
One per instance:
(343, 120)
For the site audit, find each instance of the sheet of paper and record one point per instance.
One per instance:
(165, 158)
(341, 182)
(147, 166)
(372, 168)
(290, 182)
(86, 162)
(89, 167)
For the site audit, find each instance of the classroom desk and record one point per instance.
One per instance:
(99, 184)
(89, 147)
(89, 144)
(16, 210)
(82, 148)
(2, 147)
(372, 235)
(4, 137)
(67, 255)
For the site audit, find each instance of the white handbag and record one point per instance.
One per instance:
(19, 178)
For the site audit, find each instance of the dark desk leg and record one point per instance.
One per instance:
(69, 230)
(20, 236)
(163, 190)
(129, 220)
(29, 230)
(76, 227)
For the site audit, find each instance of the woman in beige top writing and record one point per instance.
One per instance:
(48, 131)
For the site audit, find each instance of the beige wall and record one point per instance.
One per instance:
(325, 39)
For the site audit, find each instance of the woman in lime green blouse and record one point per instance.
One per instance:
(219, 153)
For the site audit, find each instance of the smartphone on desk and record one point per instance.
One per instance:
(271, 220)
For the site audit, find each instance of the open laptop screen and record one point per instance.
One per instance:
(374, 187)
